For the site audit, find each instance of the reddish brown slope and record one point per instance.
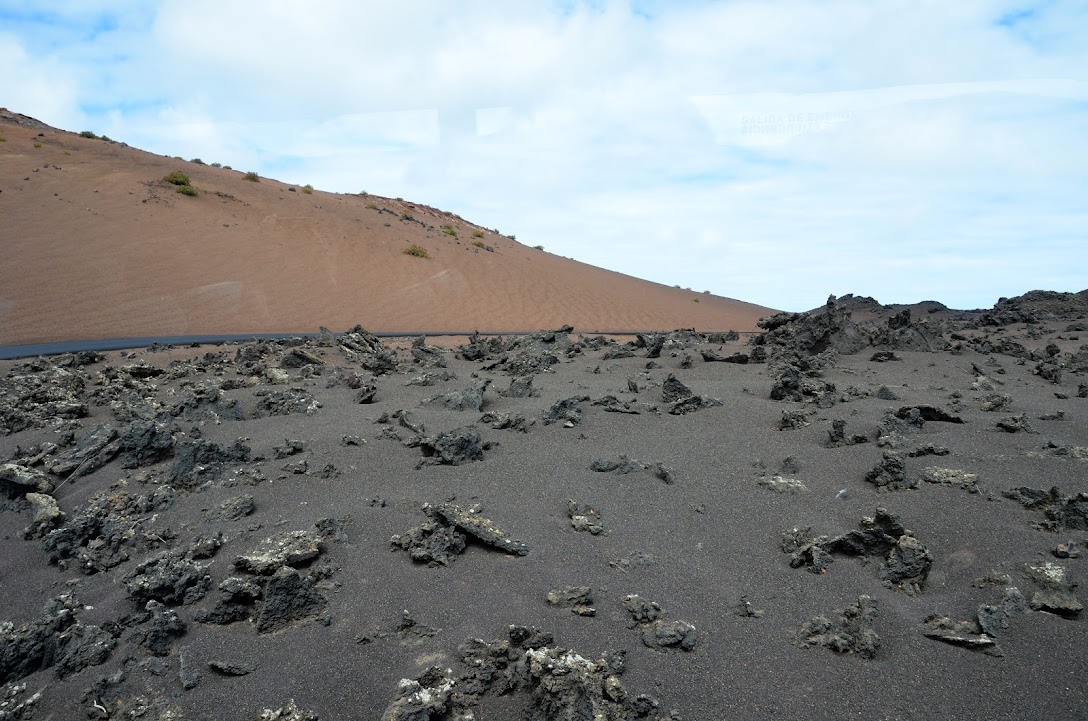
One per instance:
(95, 245)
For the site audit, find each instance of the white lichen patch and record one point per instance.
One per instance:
(951, 477)
(1049, 572)
(781, 484)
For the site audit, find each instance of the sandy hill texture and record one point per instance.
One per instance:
(833, 519)
(97, 245)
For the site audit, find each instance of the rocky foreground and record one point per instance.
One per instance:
(832, 518)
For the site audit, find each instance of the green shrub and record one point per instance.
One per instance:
(512, 237)
(88, 134)
(106, 138)
(417, 251)
(371, 206)
(37, 144)
(227, 167)
(308, 189)
(187, 190)
(198, 161)
(405, 216)
(252, 177)
(217, 165)
(537, 247)
(480, 244)
(177, 178)
(3, 139)
(449, 230)
(477, 234)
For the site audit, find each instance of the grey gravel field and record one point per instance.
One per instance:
(864, 511)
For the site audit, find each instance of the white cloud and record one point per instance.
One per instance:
(492, 120)
(771, 152)
(32, 83)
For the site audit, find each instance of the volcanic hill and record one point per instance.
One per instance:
(97, 244)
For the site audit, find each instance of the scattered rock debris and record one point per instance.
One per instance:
(231, 509)
(283, 588)
(836, 437)
(1067, 550)
(40, 393)
(293, 548)
(428, 356)
(285, 402)
(231, 668)
(469, 399)
(199, 461)
(1054, 589)
(951, 477)
(712, 356)
(565, 411)
(520, 387)
(781, 484)
(585, 518)
(611, 404)
(361, 347)
(159, 628)
(289, 597)
(906, 561)
(967, 634)
(636, 560)
(445, 535)
(681, 399)
(579, 599)
(453, 448)
(885, 393)
(792, 420)
(56, 639)
(47, 515)
(745, 609)
(290, 712)
(173, 578)
(928, 449)
(994, 618)
(108, 530)
(1060, 512)
(797, 384)
(1016, 424)
(19, 480)
(657, 633)
(847, 631)
(132, 415)
(890, 474)
(625, 465)
(980, 633)
(927, 413)
(507, 421)
(553, 683)
(430, 378)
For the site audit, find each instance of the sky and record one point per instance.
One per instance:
(771, 151)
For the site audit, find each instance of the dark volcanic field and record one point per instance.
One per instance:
(205, 533)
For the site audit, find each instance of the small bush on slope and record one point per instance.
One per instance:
(177, 178)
